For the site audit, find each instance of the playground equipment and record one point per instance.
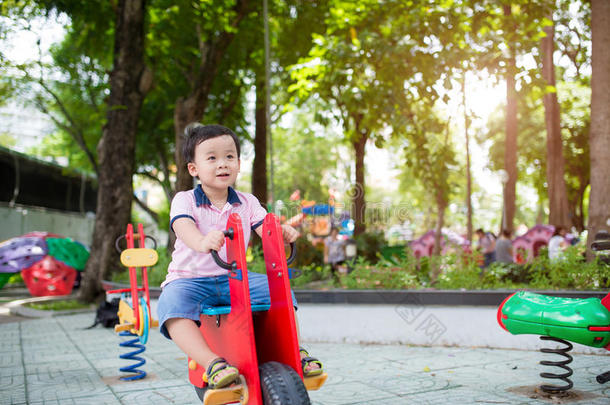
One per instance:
(260, 339)
(562, 320)
(135, 318)
(424, 245)
(48, 262)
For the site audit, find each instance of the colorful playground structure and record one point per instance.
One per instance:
(562, 320)
(424, 245)
(48, 262)
(528, 245)
(135, 319)
(525, 247)
(260, 339)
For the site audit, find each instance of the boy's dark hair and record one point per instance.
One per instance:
(480, 230)
(506, 233)
(195, 134)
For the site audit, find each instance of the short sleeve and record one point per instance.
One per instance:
(257, 212)
(181, 207)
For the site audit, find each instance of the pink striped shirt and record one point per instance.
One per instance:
(195, 205)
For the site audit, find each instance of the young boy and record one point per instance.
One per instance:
(198, 218)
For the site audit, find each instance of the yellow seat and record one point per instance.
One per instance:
(139, 257)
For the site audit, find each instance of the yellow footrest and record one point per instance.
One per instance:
(316, 382)
(123, 326)
(228, 395)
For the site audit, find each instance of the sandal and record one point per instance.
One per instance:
(307, 360)
(215, 367)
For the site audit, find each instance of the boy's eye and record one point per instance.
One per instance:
(211, 158)
(229, 156)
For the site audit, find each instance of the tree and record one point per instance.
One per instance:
(116, 150)
(599, 138)
(510, 146)
(211, 31)
(558, 198)
(431, 158)
(374, 61)
(291, 24)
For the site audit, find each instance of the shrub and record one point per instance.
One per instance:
(369, 245)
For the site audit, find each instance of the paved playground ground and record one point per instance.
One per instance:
(56, 361)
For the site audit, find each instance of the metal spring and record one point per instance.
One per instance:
(140, 361)
(561, 364)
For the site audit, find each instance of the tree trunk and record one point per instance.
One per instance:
(468, 176)
(599, 137)
(192, 108)
(357, 192)
(558, 197)
(510, 151)
(116, 149)
(441, 206)
(259, 165)
(186, 111)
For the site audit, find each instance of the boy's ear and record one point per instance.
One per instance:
(192, 168)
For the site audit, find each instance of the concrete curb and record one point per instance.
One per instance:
(396, 297)
(18, 307)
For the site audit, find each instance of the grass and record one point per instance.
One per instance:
(60, 305)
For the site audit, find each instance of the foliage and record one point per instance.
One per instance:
(304, 158)
(384, 276)
(462, 272)
(308, 261)
(369, 245)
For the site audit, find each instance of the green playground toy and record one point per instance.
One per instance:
(68, 251)
(563, 320)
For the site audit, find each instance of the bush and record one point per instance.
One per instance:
(459, 271)
(383, 275)
(308, 261)
(370, 244)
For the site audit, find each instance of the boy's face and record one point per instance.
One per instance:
(215, 163)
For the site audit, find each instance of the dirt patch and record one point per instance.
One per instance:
(115, 379)
(534, 392)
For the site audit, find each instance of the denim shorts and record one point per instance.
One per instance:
(183, 298)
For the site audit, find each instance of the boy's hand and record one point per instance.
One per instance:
(212, 241)
(289, 233)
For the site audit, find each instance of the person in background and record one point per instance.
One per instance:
(504, 248)
(557, 243)
(487, 244)
(334, 253)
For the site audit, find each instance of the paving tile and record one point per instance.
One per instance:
(182, 395)
(62, 363)
(12, 389)
(107, 399)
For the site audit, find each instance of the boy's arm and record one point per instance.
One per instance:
(289, 233)
(187, 232)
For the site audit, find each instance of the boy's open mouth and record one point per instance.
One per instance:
(223, 175)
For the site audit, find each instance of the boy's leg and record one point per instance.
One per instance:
(179, 309)
(188, 337)
(259, 294)
(311, 365)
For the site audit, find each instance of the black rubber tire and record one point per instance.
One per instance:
(281, 385)
(200, 392)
